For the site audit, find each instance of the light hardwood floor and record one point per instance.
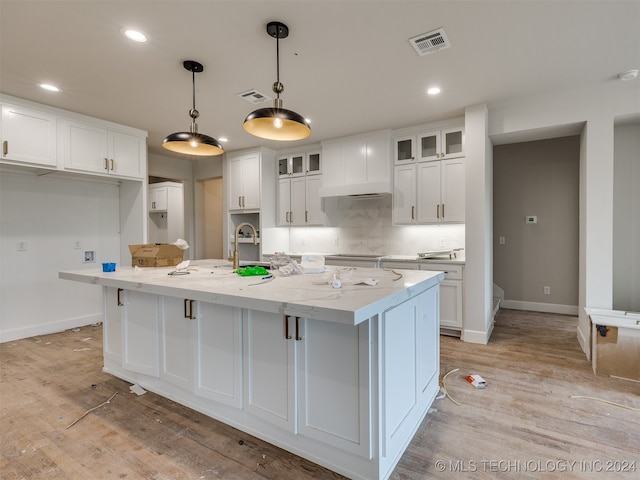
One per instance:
(524, 424)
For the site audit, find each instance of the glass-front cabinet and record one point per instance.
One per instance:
(429, 146)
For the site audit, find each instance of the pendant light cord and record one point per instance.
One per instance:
(193, 81)
(278, 61)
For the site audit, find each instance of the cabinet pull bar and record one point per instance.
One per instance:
(239, 201)
(413, 212)
(5, 147)
(242, 201)
(106, 164)
(438, 210)
(298, 337)
(291, 217)
(113, 165)
(443, 211)
(306, 216)
(286, 327)
(118, 300)
(185, 308)
(191, 316)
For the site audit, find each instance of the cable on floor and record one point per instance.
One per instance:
(607, 401)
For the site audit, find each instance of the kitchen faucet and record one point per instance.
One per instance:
(236, 253)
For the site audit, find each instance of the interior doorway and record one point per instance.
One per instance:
(536, 224)
(211, 208)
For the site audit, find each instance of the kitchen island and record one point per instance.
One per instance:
(340, 376)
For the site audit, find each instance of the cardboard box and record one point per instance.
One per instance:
(155, 255)
(616, 345)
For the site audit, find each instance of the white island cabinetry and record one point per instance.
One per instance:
(343, 378)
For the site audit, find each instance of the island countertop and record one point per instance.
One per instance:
(309, 295)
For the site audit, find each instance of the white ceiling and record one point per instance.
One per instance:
(346, 65)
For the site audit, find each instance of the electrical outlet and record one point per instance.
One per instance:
(547, 290)
(89, 256)
(502, 241)
(23, 246)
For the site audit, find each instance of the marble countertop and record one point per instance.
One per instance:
(308, 295)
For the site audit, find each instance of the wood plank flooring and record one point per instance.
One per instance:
(524, 424)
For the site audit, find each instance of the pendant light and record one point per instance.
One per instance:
(192, 142)
(277, 123)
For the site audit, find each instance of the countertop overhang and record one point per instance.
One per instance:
(309, 295)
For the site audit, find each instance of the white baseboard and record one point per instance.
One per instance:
(477, 336)
(47, 328)
(540, 307)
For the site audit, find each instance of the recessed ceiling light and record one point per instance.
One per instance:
(48, 86)
(134, 35)
(628, 75)
(433, 91)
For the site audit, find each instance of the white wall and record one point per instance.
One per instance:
(51, 214)
(626, 218)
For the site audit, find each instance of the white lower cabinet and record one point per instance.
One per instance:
(269, 367)
(348, 397)
(308, 377)
(333, 377)
(140, 332)
(451, 312)
(177, 340)
(218, 353)
(112, 324)
(451, 291)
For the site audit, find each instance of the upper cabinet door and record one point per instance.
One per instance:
(429, 146)
(128, 154)
(85, 147)
(314, 163)
(453, 142)
(404, 150)
(28, 136)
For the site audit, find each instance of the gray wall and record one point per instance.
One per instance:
(626, 218)
(537, 178)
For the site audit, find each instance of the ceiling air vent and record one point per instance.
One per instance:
(253, 96)
(430, 42)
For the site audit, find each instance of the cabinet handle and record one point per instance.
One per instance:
(286, 327)
(106, 164)
(438, 210)
(298, 337)
(118, 300)
(242, 201)
(443, 211)
(188, 314)
(239, 201)
(113, 165)
(5, 147)
(306, 216)
(413, 212)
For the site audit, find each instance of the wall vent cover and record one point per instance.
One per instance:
(430, 42)
(253, 96)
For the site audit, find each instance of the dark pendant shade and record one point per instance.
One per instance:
(277, 124)
(192, 144)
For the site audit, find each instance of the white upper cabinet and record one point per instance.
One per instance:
(244, 181)
(28, 136)
(299, 181)
(429, 146)
(94, 149)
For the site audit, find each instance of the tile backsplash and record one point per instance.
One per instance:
(364, 225)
